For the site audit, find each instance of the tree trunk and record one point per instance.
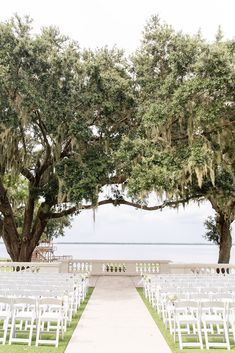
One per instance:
(25, 253)
(10, 237)
(21, 250)
(225, 246)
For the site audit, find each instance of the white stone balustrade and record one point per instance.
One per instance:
(79, 266)
(196, 268)
(42, 267)
(118, 267)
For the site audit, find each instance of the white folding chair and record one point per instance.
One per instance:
(187, 322)
(214, 313)
(5, 315)
(231, 319)
(24, 310)
(51, 313)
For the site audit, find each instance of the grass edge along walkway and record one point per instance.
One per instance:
(169, 339)
(23, 348)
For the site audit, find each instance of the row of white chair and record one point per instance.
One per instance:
(37, 303)
(35, 285)
(211, 319)
(195, 308)
(23, 315)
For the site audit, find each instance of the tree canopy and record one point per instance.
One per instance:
(63, 112)
(184, 148)
(72, 121)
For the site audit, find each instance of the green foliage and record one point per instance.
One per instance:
(186, 107)
(56, 228)
(211, 234)
(186, 103)
(53, 93)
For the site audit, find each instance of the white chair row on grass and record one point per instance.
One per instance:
(189, 287)
(73, 298)
(34, 303)
(75, 288)
(214, 321)
(21, 317)
(158, 298)
(195, 311)
(187, 280)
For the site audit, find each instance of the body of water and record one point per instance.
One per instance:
(184, 253)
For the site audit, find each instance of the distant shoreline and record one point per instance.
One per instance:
(128, 243)
(117, 243)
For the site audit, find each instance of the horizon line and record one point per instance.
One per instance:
(122, 243)
(128, 243)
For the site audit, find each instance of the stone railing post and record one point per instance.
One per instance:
(64, 267)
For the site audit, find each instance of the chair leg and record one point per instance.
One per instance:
(63, 329)
(12, 331)
(233, 330)
(205, 334)
(174, 330)
(38, 332)
(179, 335)
(57, 333)
(31, 331)
(226, 336)
(170, 323)
(5, 326)
(199, 334)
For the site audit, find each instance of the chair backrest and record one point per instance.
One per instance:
(213, 304)
(5, 304)
(186, 304)
(214, 307)
(5, 300)
(23, 300)
(50, 301)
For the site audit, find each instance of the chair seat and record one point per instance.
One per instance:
(51, 316)
(212, 318)
(187, 318)
(25, 315)
(4, 314)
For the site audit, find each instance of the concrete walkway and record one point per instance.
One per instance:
(116, 321)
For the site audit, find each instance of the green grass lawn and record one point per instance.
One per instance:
(20, 348)
(174, 346)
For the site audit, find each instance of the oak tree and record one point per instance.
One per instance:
(184, 148)
(63, 111)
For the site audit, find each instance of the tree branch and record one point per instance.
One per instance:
(67, 212)
(27, 174)
(1, 228)
(231, 208)
(9, 231)
(117, 202)
(66, 148)
(206, 133)
(143, 207)
(28, 214)
(47, 160)
(117, 179)
(42, 128)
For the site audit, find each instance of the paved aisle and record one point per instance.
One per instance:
(116, 321)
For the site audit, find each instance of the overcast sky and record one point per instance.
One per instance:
(96, 23)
